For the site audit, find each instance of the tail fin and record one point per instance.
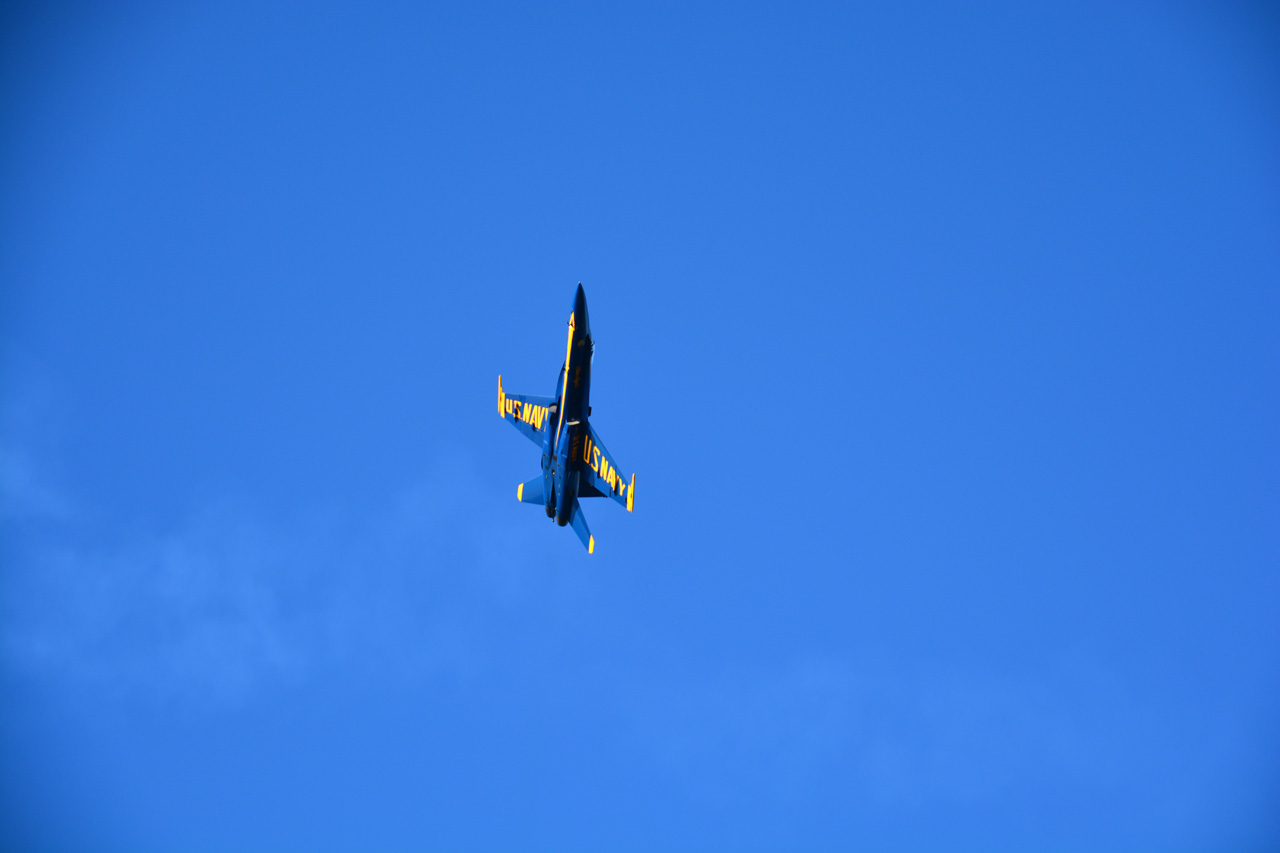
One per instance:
(579, 522)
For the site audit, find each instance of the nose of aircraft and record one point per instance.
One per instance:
(580, 323)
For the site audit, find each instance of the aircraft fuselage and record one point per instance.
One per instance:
(563, 448)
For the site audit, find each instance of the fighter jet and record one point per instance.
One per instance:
(574, 462)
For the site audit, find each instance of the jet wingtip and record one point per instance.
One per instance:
(591, 544)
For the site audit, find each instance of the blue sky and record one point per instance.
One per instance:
(943, 342)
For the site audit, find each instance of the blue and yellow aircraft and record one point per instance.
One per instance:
(574, 461)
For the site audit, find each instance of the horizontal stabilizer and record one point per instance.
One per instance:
(532, 492)
(579, 522)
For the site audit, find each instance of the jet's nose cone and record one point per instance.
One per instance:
(580, 308)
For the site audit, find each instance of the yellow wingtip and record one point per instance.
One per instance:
(502, 398)
(520, 492)
(631, 494)
(591, 544)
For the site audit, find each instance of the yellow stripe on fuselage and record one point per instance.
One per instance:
(564, 392)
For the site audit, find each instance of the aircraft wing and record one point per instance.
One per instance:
(600, 475)
(528, 413)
